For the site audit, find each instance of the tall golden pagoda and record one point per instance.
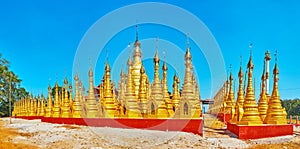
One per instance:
(251, 114)
(38, 106)
(156, 95)
(70, 96)
(197, 96)
(230, 98)
(131, 105)
(275, 113)
(108, 98)
(82, 99)
(143, 99)
(35, 106)
(77, 105)
(42, 110)
(239, 111)
(176, 95)
(121, 93)
(91, 104)
(65, 108)
(188, 102)
(263, 100)
(28, 105)
(49, 103)
(56, 107)
(225, 98)
(136, 64)
(166, 94)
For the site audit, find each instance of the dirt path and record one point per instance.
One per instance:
(7, 135)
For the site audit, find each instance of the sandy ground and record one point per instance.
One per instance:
(36, 134)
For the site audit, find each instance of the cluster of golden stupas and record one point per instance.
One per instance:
(244, 110)
(135, 97)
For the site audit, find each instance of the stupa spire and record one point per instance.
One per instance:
(109, 102)
(263, 101)
(132, 109)
(143, 93)
(251, 114)
(42, 111)
(230, 99)
(49, 103)
(166, 94)
(71, 96)
(240, 97)
(38, 106)
(56, 108)
(121, 89)
(275, 114)
(176, 94)
(188, 102)
(156, 90)
(77, 106)
(137, 64)
(91, 104)
(65, 109)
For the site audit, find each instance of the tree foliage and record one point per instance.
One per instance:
(292, 106)
(9, 83)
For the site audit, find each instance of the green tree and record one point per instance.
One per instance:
(292, 106)
(9, 79)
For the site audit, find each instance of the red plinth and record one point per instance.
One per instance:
(186, 125)
(29, 117)
(256, 132)
(224, 117)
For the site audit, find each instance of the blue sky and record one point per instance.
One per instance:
(41, 38)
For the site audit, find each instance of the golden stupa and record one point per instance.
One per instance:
(134, 97)
(263, 100)
(239, 111)
(251, 115)
(275, 113)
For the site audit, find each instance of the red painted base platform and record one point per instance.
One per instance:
(256, 132)
(29, 117)
(186, 125)
(224, 117)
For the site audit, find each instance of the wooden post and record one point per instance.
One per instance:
(291, 119)
(297, 121)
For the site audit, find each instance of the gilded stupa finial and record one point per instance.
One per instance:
(267, 55)
(165, 67)
(230, 76)
(136, 43)
(49, 88)
(129, 61)
(276, 71)
(241, 70)
(188, 55)
(187, 41)
(156, 57)
(136, 33)
(250, 63)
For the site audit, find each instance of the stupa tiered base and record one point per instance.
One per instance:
(263, 131)
(186, 125)
(224, 117)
